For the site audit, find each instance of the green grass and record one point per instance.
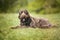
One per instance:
(11, 20)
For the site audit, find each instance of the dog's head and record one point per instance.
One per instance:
(24, 16)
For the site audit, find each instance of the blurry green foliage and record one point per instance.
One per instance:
(6, 4)
(38, 6)
(45, 6)
(11, 5)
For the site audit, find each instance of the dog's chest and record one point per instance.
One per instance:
(26, 21)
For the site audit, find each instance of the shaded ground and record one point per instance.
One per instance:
(10, 20)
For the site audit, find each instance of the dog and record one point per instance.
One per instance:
(28, 21)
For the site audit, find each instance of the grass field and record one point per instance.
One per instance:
(11, 20)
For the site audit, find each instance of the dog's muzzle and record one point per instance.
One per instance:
(23, 15)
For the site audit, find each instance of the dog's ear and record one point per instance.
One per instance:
(26, 12)
(20, 12)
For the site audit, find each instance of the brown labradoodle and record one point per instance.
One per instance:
(28, 21)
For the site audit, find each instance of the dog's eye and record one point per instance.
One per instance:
(26, 13)
(21, 12)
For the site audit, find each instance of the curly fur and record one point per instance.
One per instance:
(28, 21)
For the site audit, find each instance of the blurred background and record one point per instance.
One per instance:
(9, 9)
(37, 6)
